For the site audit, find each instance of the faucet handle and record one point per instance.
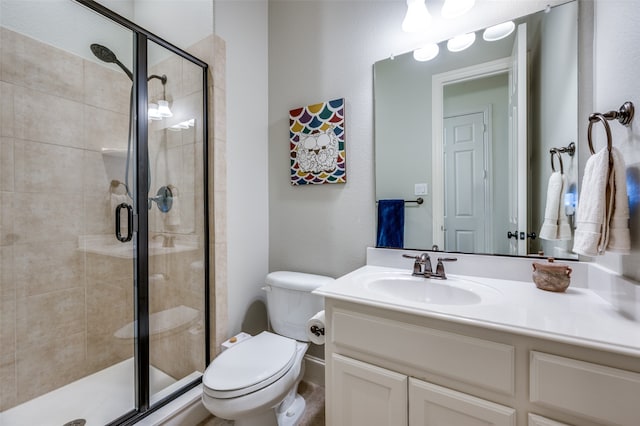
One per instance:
(440, 266)
(422, 261)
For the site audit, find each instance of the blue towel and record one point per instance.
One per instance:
(390, 223)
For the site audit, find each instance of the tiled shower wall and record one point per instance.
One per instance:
(60, 306)
(58, 111)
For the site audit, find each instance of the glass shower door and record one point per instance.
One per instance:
(176, 221)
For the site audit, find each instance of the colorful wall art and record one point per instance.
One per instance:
(316, 140)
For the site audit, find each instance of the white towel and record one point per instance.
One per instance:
(549, 229)
(555, 225)
(564, 229)
(590, 215)
(603, 209)
(619, 236)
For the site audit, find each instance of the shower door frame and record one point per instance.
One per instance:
(141, 37)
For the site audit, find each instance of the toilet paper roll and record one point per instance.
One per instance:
(315, 328)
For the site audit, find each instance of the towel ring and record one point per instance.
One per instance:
(554, 153)
(592, 119)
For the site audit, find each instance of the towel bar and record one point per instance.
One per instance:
(555, 152)
(624, 116)
(420, 200)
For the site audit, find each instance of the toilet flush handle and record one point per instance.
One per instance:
(266, 288)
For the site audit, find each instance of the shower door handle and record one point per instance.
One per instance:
(129, 223)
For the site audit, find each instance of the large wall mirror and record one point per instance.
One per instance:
(470, 133)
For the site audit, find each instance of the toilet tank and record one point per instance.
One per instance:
(290, 303)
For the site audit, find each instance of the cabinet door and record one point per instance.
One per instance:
(535, 420)
(433, 405)
(363, 394)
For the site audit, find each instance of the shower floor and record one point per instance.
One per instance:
(98, 398)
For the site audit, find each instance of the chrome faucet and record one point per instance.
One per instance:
(422, 266)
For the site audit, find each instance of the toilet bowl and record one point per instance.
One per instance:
(255, 381)
(265, 389)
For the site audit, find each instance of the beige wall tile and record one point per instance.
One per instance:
(98, 217)
(49, 317)
(104, 350)
(104, 268)
(48, 365)
(7, 283)
(6, 164)
(46, 118)
(172, 68)
(30, 63)
(219, 66)
(43, 167)
(7, 115)
(9, 394)
(7, 326)
(41, 217)
(41, 268)
(8, 233)
(105, 129)
(220, 113)
(106, 88)
(109, 307)
(94, 174)
(191, 77)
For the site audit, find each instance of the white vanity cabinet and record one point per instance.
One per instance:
(365, 394)
(392, 368)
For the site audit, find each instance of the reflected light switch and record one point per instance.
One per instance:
(420, 189)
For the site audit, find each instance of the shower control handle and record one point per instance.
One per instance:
(129, 222)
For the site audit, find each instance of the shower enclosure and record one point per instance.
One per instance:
(104, 300)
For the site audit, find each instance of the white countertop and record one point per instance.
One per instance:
(578, 316)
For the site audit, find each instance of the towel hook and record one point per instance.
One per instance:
(554, 152)
(592, 119)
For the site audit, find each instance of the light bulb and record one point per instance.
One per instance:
(461, 42)
(426, 53)
(454, 8)
(153, 112)
(163, 109)
(417, 18)
(498, 32)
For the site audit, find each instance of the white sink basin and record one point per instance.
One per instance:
(452, 291)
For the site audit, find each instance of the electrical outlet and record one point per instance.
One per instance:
(420, 189)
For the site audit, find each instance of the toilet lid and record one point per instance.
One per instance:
(249, 366)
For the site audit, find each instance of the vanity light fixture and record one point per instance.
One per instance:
(461, 42)
(160, 110)
(498, 32)
(426, 53)
(417, 18)
(454, 8)
(153, 112)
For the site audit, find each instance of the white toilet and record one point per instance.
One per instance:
(255, 381)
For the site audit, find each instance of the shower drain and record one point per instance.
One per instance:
(76, 422)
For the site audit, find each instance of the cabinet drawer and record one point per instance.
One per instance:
(601, 393)
(474, 361)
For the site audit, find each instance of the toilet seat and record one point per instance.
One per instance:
(250, 366)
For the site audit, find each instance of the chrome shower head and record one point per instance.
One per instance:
(106, 55)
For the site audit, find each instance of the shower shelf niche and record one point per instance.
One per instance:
(107, 245)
